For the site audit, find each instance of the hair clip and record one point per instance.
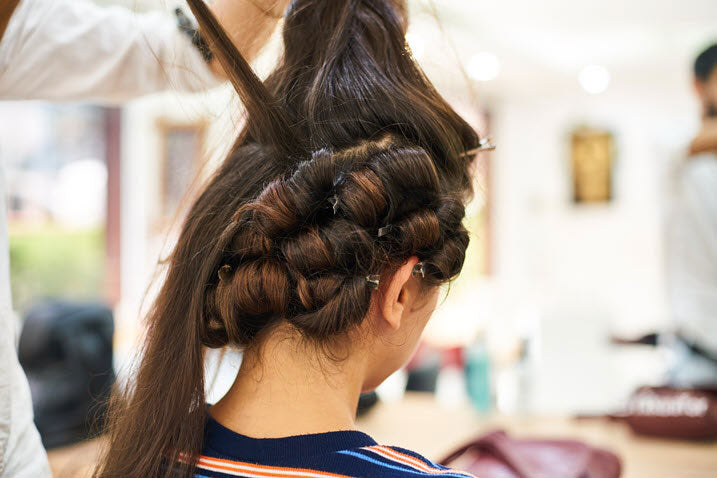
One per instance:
(419, 269)
(225, 272)
(373, 280)
(384, 230)
(340, 180)
(483, 145)
(334, 200)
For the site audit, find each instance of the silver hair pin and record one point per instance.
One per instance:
(419, 269)
(373, 280)
(334, 200)
(340, 180)
(384, 230)
(485, 144)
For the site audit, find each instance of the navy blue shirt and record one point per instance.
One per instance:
(336, 454)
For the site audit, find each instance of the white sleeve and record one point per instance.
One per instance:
(700, 188)
(21, 451)
(692, 245)
(75, 50)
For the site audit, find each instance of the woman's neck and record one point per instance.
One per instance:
(284, 390)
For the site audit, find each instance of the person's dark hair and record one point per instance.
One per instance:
(705, 63)
(345, 137)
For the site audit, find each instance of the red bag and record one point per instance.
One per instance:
(496, 455)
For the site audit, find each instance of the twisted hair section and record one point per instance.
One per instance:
(294, 255)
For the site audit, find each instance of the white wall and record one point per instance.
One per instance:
(606, 256)
(588, 271)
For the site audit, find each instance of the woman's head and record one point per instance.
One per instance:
(320, 247)
(336, 215)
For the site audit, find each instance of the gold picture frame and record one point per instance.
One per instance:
(592, 158)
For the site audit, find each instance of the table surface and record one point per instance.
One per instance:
(418, 423)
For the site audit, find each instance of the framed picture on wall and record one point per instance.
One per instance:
(182, 146)
(592, 158)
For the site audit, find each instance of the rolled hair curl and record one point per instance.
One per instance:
(348, 164)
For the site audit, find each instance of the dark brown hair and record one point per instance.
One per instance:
(705, 63)
(345, 137)
(6, 10)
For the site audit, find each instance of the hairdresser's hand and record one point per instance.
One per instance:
(706, 139)
(249, 23)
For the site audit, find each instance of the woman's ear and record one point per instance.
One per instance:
(396, 298)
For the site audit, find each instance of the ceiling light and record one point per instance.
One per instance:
(594, 79)
(483, 66)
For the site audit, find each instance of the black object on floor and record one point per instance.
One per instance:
(66, 351)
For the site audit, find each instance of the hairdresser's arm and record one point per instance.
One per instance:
(76, 50)
(21, 451)
(249, 23)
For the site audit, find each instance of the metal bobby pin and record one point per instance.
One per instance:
(384, 230)
(373, 280)
(485, 144)
(334, 200)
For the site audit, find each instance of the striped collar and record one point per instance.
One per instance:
(294, 448)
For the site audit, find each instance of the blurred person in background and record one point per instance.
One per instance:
(69, 50)
(692, 240)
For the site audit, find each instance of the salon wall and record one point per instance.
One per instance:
(602, 255)
(586, 271)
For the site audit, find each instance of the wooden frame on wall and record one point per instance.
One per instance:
(182, 147)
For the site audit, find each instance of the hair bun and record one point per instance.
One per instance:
(298, 260)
